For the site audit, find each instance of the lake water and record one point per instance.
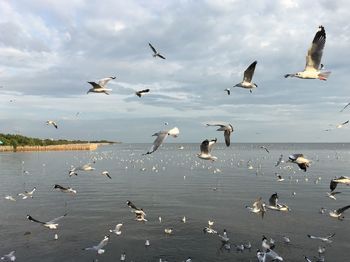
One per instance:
(173, 183)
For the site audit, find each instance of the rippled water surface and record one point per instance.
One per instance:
(173, 183)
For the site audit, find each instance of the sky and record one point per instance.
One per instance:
(50, 49)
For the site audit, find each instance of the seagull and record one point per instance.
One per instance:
(331, 195)
(209, 229)
(274, 205)
(339, 212)
(224, 238)
(147, 243)
(131, 205)
(265, 148)
(258, 207)
(266, 244)
(227, 128)
(300, 160)
(155, 52)
(344, 107)
(52, 224)
(50, 122)
(279, 161)
(183, 219)
(9, 257)
(326, 239)
(247, 79)
(279, 178)
(65, 189)
(228, 90)
(141, 92)
(206, 148)
(342, 124)
(313, 59)
(321, 250)
(168, 231)
(161, 136)
(117, 229)
(8, 197)
(86, 167)
(286, 239)
(100, 87)
(27, 194)
(99, 247)
(139, 213)
(273, 255)
(105, 173)
(342, 180)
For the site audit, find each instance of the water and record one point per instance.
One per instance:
(179, 185)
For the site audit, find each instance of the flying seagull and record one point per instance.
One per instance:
(258, 207)
(161, 136)
(265, 148)
(86, 167)
(141, 92)
(52, 224)
(332, 194)
(155, 52)
(313, 65)
(228, 90)
(342, 124)
(9, 257)
(27, 194)
(8, 197)
(266, 244)
(105, 173)
(344, 107)
(64, 189)
(279, 161)
(327, 239)
(50, 122)
(339, 212)
(139, 213)
(206, 148)
(300, 160)
(100, 246)
(100, 87)
(247, 79)
(341, 180)
(227, 128)
(117, 229)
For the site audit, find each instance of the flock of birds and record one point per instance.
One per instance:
(313, 70)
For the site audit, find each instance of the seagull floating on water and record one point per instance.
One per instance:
(227, 128)
(155, 52)
(52, 224)
(117, 229)
(161, 136)
(206, 148)
(100, 246)
(50, 122)
(313, 65)
(100, 87)
(247, 78)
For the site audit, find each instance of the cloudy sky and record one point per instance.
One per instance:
(50, 49)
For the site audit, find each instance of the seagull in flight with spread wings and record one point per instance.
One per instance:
(227, 128)
(100, 87)
(141, 92)
(155, 52)
(50, 122)
(52, 224)
(100, 246)
(247, 78)
(161, 136)
(313, 65)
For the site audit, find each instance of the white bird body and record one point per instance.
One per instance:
(9, 257)
(8, 197)
(117, 229)
(206, 148)
(247, 78)
(100, 87)
(100, 246)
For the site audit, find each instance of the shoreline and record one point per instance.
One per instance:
(66, 147)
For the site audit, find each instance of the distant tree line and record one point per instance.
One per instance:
(19, 140)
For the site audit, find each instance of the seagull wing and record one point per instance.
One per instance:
(333, 184)
(346, 122)
(273, 200)
(205, 147)
(59, 187)
(161, 56)
(55, 219)
(342, 209)
(118, 227)
(279, 160)
(314, 54)
(211, 144)
(144, 91)
(153, 49)
(330, 236)
(227, 135)
(249, 72)
(34, 220)
(131, 205)
(102, 82)
(159, 140)
(94, 85)
(103, 242)
(345, 107)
